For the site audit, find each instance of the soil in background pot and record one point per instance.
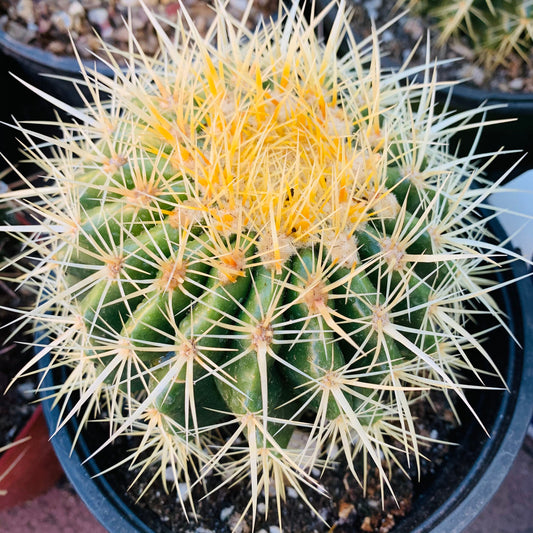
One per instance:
(47, 25)
(401, 38)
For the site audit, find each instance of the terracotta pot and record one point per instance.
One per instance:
(30, 468)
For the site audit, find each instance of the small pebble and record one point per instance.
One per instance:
(62, 21)
(239, 4)
(274, 529)
(414, 28)
(25, 10)
(345, 509)
(372, 8)
(19, 32)
(26, 390)
(387, 36)
(57, 47)
(226, 513)
(76, 10)
(183, 492)
(517, 84)
(291, 493)
(98, 16)
(169, 474)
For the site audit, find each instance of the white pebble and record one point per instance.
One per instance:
(434, 434)
(261, 507)
(372, 7)
(25, 10)
(517, 84)
(183, 491)
(98, 16)
(169, 474)
(291, 493)
(274, 529)
(387, 36)
(226, 512)
(76, 10)
(26, 389)
(239, 4)
(61, 20)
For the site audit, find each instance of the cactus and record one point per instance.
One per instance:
(495, 29)
(254, 236)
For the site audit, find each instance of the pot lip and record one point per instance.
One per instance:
(466, 501)
(509, 103)
(495, 459)
(45, 59)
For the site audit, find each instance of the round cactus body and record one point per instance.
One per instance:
(255, 236)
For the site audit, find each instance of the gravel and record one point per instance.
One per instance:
(50, 25)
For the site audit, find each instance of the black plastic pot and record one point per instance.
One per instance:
(44, 70)
(448, 501)
(516, 135)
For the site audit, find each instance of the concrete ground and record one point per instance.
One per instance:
(61, 511)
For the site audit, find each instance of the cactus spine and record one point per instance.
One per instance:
(256, 236)
(496, 29)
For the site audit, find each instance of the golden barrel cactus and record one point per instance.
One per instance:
(249, 235)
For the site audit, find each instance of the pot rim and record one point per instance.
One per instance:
(46, 60)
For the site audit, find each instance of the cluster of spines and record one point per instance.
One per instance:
(250, 233)
(495, 29)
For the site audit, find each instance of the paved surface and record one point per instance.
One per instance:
(511, 509)
(61, 511)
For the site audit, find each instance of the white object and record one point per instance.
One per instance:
(515, 199)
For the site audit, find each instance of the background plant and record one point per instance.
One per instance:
(253, 237)
(495, 30)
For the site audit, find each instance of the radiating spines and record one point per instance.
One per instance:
(256, 240)
(496, 30)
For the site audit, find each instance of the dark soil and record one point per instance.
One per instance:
(347, 509)
(400, 39)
